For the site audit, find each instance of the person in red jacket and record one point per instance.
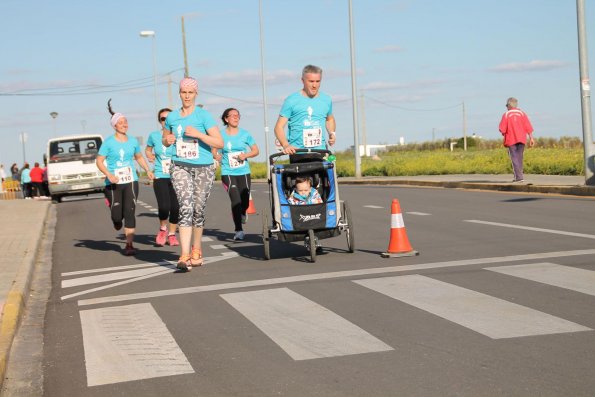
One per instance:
(36, 175)
(515, 126)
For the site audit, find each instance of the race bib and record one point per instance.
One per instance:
(312, 137)
(124, 175)
(165, 165)
(187, 149)
(234, 161)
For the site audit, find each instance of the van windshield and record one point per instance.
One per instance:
(74, 149)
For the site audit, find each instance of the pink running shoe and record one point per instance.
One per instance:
(160, 239)
(172, 240)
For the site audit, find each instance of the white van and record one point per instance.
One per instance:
(71, 166)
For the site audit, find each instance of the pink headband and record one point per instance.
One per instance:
(189, 82)
(115, 118)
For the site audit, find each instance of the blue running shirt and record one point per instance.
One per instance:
(162, 154)
(186, 149)
(306, 116)
(233, 145)
(119, 158)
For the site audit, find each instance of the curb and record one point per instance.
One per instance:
(527, 188)
(17, 298)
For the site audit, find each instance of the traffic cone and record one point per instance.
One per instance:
(399, 243)
(251, 208)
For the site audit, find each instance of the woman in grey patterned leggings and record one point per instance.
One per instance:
(192, 133)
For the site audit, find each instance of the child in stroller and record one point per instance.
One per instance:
(304, 193)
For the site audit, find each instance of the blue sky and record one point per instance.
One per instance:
(417, 62)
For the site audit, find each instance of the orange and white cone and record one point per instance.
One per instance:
(399, 243)
(251, 208)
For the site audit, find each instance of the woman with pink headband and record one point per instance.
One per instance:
(118, 152)
(193, 132)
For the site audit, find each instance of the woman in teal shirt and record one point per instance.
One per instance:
(235, 170)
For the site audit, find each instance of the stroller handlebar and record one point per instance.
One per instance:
(272, 157)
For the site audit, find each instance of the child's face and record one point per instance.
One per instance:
(303, 188)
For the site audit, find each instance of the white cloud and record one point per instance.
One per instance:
(535, 65)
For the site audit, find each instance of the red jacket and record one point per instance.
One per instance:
(36, 174)
(515, 126)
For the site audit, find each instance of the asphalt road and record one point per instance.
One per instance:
(499, 302)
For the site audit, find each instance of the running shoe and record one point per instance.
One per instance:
(160, 238)
(239, 235)
(129, 250)
(172, 240)
(184, 264)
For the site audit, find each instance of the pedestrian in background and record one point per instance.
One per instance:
(14, 172)
(26, 181)
(193, 133)
(515, 126)
(2, 178)
(36, 176)
(167, 202)
(235, 170)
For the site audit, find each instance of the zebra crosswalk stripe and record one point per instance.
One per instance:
(302, 328)
(490, 316)
(567, 277)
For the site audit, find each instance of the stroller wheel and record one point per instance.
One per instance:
(312, 245)
(266, 238)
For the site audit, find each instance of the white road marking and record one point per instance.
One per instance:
(490, 316)
(129, 343)
(373, 206)
(567, 277)
(218, 247)
(302, 328)
(167, 270)
(101, 278)
(114, 268)
(418, 213)
(206, 239)
(331, 275)
(533, 229)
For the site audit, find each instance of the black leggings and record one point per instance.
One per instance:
(238, 188)
(167, 201)
(122, 203)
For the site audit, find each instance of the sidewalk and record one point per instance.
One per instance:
(24, 222)
(23, 225)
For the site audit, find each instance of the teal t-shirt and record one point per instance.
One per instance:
(119, 158)
(233, 145)
(307, 116)
(188, 150)
(162, 154)
(25, 175)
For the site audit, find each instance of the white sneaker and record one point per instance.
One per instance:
(239, 235)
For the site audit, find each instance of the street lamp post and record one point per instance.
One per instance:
(358, 161)
(54, 115)
(184, 46)
(23, 139)
(264, 89)
(151, 33)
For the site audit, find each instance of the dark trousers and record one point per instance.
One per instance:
(516, 153)
(122, 203)
(238, 188)
(167, 201)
